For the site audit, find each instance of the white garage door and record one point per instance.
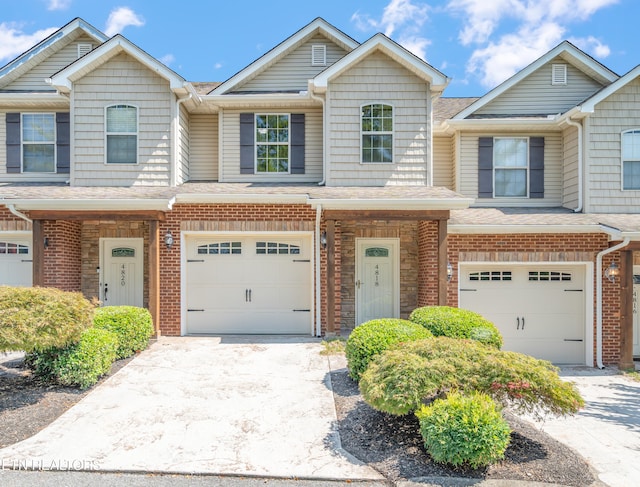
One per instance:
(539, 310)
(15, 261)
(248, 284)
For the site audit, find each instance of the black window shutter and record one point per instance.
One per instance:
(485, 167)
(63, 160)
(247, 143)
(297, 143)
(13, 142)
(536, 167)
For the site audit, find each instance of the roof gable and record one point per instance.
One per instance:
(63, 80)
(588, 106)
(317, 26)
(381, 43)
(47, 47)
(566, 51)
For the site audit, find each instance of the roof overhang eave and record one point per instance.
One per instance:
(479, 229)
(120, 204)
(392, 204)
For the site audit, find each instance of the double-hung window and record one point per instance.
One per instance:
(511, 167)
(377, 133)
(631, 159)
(38, 142)
(122, 134)
(272, 143)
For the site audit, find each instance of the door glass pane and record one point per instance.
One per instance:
(376, 252)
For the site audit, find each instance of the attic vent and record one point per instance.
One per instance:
(84, 48)
(318, 55)
(558, 74)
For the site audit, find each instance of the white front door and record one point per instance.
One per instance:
(121, 264)
(16, 261)
(636, 314)
(377, 279)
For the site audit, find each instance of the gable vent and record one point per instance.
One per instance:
(318, 55)
(558, 74)
(84, 48)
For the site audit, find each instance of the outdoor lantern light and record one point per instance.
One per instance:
(168, 239)
(449, 272)
(323, 240)
(46, 242)
(612, 272)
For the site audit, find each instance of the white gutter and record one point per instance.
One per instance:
(256, 198)
(91, 204)
(324, 137)
(580, 163)
(475, 229)
(317, 273)
(176, 136)
(12, 209)
(599, 257)
(392, 204)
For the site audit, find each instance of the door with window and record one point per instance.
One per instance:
(16, 262)
(121, 269)
(377, 279)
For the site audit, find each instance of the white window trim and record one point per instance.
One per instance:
(392, 133)
(527, 168)
(256, 144)
(54, 143)
(318, 55)
(559, 74)
(137, 134)
(622, 160)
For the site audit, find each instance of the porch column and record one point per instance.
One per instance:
(154, 274)
(331, 276)
(442, 262)
(37, 252)
(626, 310)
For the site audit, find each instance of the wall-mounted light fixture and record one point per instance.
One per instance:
(168, 239)
(323, 240)
(46, 242)
(612, 272)
(449, 272)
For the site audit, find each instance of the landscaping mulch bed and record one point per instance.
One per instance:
(393, 446)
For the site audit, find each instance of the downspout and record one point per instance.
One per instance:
(580, 163)
(430, 156)
(317, 273)
(176, 149)
(19, 214)
(622, 244)
(324, 137)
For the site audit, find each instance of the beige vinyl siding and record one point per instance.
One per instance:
(293, 71)
(203, 160)
(122, 80)
(34, 79)
(230, 162)
(443, 165)
(378, 79)
(184, 139)
(615, 114)
(553, 158)
(570, 170)
(535, 95)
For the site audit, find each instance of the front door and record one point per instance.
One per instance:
(377, 279)
(121, 264)
(636, 313)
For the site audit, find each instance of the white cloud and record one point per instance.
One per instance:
(167, 59)
(120, 18)
(403, 14)
(217, 66)
(592, 45)
(13, 41)
(482, 17)
(59, 4)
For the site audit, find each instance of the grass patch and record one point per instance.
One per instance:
(333, 346)
(632, 374)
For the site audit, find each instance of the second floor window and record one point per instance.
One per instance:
(122, 134)
(38, 142)
(511, 167)
(631, 159)
(377, 133)
(272, 143)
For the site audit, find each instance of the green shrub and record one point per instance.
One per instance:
(464, 430)
(33, 318)
(411, 374)
(457, 323)
(80, 364)
(132, 325)
(375, 336)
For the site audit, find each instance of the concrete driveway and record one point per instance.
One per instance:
(231, 405)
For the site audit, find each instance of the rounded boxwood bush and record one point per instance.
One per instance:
(457, 323)
(80, 364)
(38, 318)
(375, 336)
(132, 325)
(464, 430)
(408, 375)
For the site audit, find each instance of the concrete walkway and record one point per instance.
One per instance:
(206, 405)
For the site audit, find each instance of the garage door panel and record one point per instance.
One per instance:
(16, 265)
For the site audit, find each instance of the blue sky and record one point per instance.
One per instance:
(477, 43)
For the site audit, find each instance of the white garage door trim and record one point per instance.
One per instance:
(188, 236)
(24, 238)
(589, 292)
